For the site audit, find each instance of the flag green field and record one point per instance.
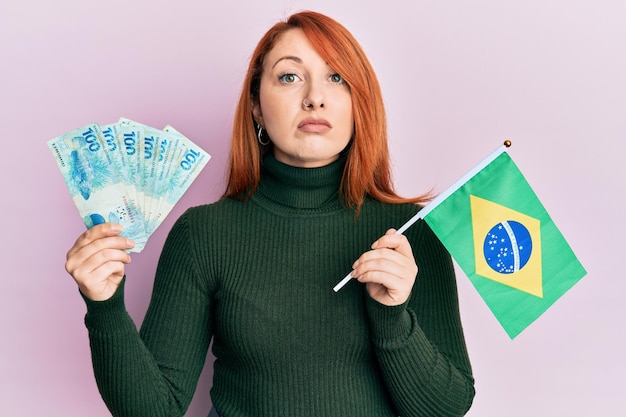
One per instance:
(503, 239)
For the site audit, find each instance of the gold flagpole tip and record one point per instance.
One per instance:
(507, 143)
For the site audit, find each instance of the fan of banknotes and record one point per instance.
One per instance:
(127, 173)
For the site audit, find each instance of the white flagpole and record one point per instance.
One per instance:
(441, 197)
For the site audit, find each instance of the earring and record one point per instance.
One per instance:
(260, 133)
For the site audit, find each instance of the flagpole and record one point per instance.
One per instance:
(440, 198)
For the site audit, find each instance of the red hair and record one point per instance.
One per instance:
(367, 170)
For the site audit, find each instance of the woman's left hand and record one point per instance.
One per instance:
(388, 270)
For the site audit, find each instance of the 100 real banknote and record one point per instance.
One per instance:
(128, 173)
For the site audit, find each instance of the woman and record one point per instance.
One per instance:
(308, 187)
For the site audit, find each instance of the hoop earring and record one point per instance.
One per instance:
(260, 134)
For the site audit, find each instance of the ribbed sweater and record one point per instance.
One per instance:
(255, 277)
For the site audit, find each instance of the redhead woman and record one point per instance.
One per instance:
(308, 195)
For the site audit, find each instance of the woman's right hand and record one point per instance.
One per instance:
(97, 259)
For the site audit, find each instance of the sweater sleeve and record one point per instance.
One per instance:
(154, 372)
(420, 345)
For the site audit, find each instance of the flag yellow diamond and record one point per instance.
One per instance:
(507, 246)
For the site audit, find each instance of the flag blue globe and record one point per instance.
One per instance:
(507, 247)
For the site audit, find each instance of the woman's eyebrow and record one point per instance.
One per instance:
(288, 57)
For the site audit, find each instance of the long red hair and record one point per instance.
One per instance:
(367, 170)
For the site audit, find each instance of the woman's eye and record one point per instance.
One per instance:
(336, 78)
(288, 78)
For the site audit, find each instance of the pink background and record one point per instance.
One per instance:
(458, 79)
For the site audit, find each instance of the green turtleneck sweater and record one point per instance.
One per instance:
(256, 277)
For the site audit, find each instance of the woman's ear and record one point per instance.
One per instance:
(256, 111)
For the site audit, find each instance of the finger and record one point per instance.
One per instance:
(81, 266)
(80, 253)
(393, 279)
(383, 278)
(385, 289)
(395, 241)
(394, 254)
(101, 283)
(97, 232)
(97, 252)
(383, 260)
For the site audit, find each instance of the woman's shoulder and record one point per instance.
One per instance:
(395, 215)
(394, 210)
(222, 206)
(224, 211)
(215, 205)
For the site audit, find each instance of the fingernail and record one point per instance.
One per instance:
(130, 243)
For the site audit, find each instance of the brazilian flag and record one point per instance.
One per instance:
(501, 236)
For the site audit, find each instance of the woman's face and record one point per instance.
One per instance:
(305, 106)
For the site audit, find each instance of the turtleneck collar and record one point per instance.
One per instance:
(309, 189)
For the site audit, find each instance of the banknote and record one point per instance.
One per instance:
(128, 173)
(173, 162)
(189, 162)
(93, 182)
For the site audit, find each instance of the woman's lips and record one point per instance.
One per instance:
(313, 125)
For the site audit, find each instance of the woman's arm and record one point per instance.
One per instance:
(155, 372)
(420, 344)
